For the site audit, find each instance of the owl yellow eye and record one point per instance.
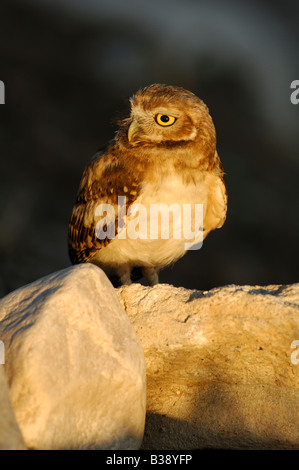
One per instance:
(164, 119)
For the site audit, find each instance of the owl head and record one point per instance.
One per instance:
(167, 114)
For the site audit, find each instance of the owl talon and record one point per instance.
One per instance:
(151, 275)
(125, 276)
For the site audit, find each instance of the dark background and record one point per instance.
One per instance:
(68, 67)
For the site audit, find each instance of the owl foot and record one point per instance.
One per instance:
(151, 275)
(124, 276)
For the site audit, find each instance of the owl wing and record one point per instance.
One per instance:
(103, 180)
(215, 214)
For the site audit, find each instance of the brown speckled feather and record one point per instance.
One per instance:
(103, 180)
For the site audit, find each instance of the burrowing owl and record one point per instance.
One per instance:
(164, 153)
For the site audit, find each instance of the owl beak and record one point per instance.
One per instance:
(134, 132)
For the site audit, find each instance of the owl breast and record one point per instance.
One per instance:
(165, 221)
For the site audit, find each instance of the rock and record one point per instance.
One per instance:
(220, 365)
(10, 435)
(74, 365)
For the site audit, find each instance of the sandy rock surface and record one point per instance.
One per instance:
(219, 365)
